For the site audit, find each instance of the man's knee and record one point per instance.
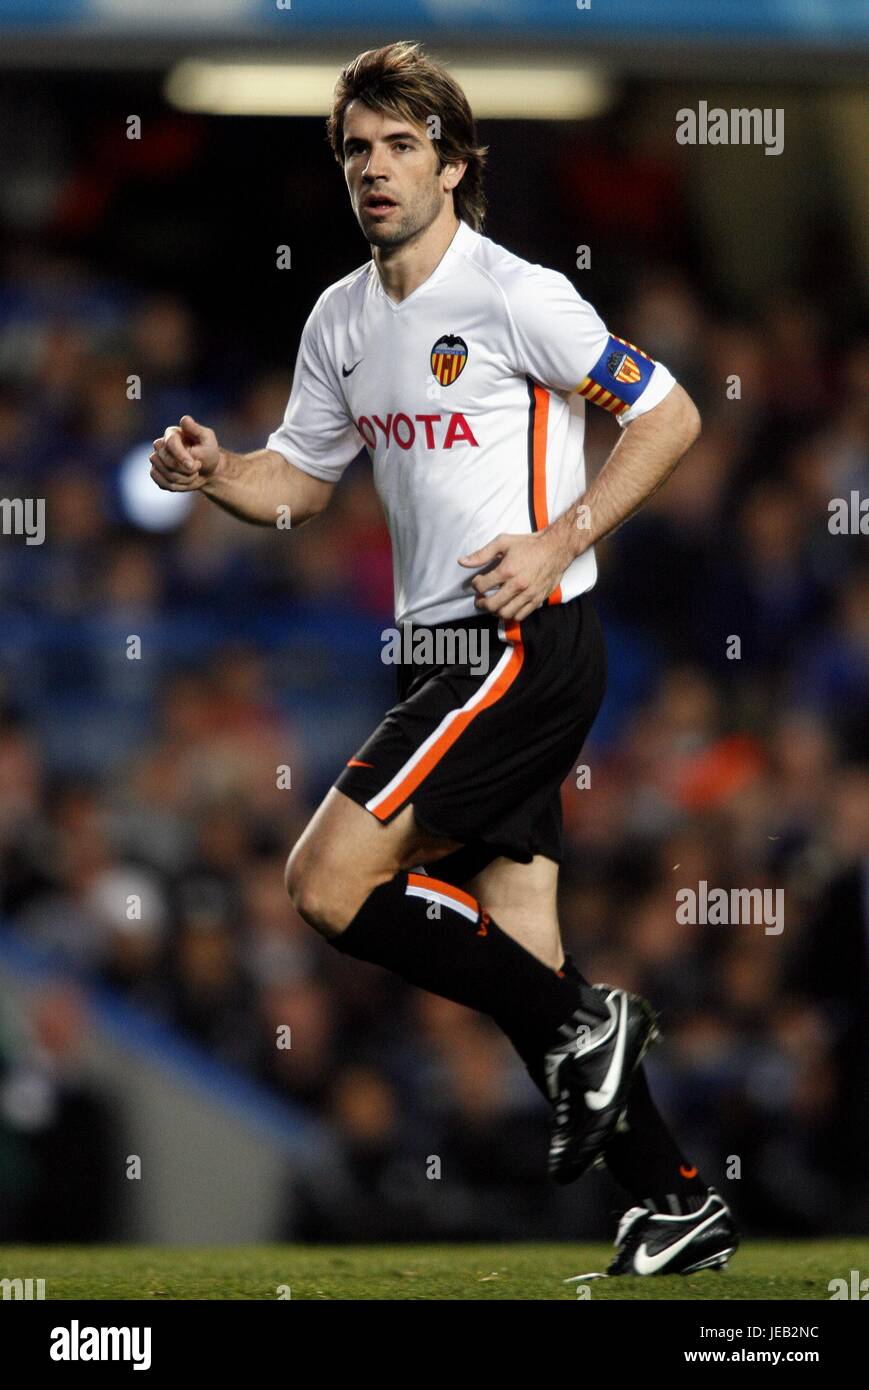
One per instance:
(313, 894)
(326, 894)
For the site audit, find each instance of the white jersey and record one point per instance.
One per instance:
(469, 396)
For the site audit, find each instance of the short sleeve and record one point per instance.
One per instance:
(317, 433)
(625, 380)
(562, 342)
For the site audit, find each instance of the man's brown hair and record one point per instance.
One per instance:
(401, 79)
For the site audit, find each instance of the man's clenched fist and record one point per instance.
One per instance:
(185, 457)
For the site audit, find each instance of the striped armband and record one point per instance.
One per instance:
(619, 376)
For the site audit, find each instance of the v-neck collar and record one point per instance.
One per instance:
(460, 236)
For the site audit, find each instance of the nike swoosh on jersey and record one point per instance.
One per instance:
(644, 1263)
(598, 1100)
(348, 371)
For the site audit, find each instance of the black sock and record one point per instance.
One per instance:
(645, 1157)
(437, 937)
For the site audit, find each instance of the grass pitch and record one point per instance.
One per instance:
(765, 1270)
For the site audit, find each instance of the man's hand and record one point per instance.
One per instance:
(186, 456)
(524, 570)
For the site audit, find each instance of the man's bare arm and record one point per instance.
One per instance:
(525, 570)
(260, 487)
(641, 462)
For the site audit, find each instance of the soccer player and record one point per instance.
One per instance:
(465, 371)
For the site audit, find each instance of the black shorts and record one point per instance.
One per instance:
(481, 748)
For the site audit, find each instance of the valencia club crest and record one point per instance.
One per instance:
(448, 358)
(623, 367)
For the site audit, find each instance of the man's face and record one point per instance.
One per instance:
(391, 169)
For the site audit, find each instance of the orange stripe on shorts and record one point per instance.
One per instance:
(455, 728)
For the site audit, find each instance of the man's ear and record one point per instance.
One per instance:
(453, 173)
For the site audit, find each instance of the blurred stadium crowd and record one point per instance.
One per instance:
(157, 776)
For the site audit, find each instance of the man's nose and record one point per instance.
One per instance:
(375, 168)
